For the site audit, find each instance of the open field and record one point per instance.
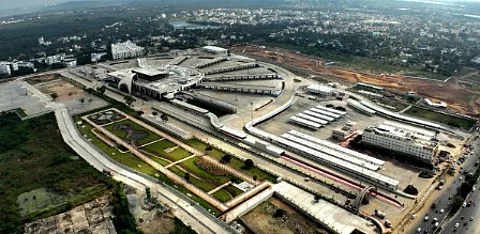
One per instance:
(468, 102)
(441, 118)
(42, 166)
(262, 219)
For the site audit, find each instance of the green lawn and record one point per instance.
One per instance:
(123, 134)
(160, 146)
(222, 195)
(200, 201)
(441, 118)
(33, 157)
(198, 183)
(190, 166)
(233, 190)
(234, 162)
(160, 161)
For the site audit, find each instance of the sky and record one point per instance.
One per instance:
(10, 4)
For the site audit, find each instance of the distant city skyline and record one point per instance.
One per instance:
(11, 4)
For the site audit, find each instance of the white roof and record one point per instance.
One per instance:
(215, 48)
(319, 88)
(339, 148)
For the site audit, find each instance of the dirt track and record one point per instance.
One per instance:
(460, 98)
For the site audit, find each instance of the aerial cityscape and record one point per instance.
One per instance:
(275, 116)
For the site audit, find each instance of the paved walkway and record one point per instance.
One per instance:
(180, 161)
(219, 187)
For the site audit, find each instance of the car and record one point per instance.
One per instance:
(435, 220)
(419, 230)
(449, 197)
(456, 225)
(471, 218)
(464, 204)
(426, 218)
(435, 225)
(462, 218)
(441, 211)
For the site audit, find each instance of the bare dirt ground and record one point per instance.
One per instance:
(262, 221)
(52, 83)
(460, 97)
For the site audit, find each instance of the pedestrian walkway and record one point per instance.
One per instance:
(180, 161)
(219, 187)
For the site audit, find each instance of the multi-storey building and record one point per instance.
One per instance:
(419, 143)
(125, 50)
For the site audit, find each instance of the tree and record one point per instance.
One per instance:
(255, 178)
(225, 159)
(187, 177)
(164, 117)
(90, 101)
(248, 164)
(140, 113)
(149, 194)
(54, 96)
(128, 100)
(82, 100)
(101, 89)
(154, 113)
(208, 148)
(317, 198)
(278, 213)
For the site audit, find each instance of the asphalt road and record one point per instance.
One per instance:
(465, 225)
(444, 202)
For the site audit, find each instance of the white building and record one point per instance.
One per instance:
(320, 89)
(436, 104)
(215, 50)
(344, 132)
(41, 41)
(404, 139)
(5, 69)
(127, 49)
(58, 58)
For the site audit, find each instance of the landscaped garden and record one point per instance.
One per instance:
(233, 161)
(131, 131)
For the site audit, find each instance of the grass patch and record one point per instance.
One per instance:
(190, 166)
(200, 201)
(123, 134)
(160, 161)
(178, 154)
(234, 191)
(441, 118)
(234, 162)
(31, 161)
(160, 147)
(222, 195)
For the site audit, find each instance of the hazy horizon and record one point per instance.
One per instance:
(29, 4)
